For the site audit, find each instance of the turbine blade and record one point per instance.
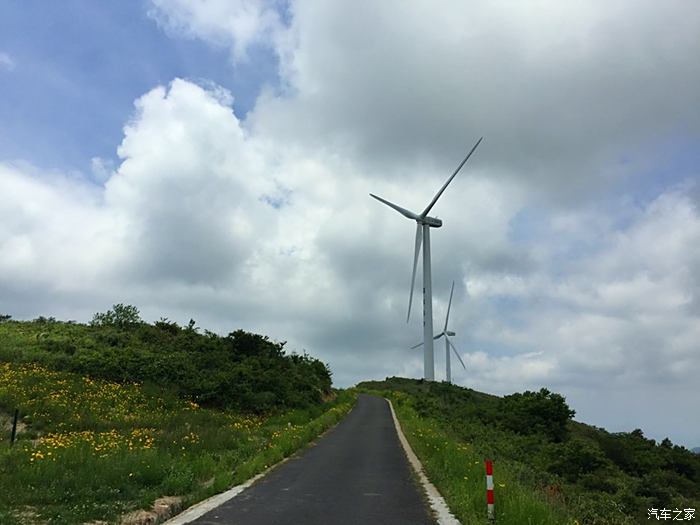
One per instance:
(437, 195)
(439, 336)
(455, 351)
(416, 346)
(419, 240)
(402, 211)
(447, 317)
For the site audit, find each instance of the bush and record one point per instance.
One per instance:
(574, 459)
(58, 346)
(540, 412)
(632, 452)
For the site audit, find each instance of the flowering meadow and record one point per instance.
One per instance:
(91, 449)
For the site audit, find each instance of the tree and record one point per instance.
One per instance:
(120, 316)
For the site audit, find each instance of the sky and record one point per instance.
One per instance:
(213, 160)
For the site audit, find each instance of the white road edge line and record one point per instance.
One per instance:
(437, 502)
(200, 509)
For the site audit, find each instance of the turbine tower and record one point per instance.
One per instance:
(423, 225)
(446, 333)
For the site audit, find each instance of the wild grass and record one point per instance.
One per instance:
(548, 469)
(457, 469)
(93, 450)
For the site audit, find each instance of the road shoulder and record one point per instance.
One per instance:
(437, 502)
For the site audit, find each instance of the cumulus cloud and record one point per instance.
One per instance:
(184, 181)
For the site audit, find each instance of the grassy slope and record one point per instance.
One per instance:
(94, 449)
(591, 477)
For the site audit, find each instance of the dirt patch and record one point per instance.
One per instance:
(208, 483)
(6, 424)
(163, 509)
(29, 516)
(326, 397)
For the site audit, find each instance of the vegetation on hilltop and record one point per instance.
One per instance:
(548, 468)
(242, 371)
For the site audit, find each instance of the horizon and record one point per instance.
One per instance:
(691, 447)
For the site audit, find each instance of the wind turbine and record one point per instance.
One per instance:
(445, 333)
(423, 225)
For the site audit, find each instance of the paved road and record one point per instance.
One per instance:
(356, 474)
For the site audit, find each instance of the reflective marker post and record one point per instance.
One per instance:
(489, 489)
(14, 427)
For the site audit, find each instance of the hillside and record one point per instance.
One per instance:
(122, 415)
(548, 468)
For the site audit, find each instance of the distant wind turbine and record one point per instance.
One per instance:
(424, 223)
(445, 333)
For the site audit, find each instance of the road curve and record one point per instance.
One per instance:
(356, 474)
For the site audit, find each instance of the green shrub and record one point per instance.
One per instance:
(574, 459)
(540, 412)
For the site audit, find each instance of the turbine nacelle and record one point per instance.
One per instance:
(430, 221)
(449, 332)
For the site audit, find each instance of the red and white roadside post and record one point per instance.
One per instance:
(489, 489)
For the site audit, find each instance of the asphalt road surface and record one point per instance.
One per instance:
(356, 474)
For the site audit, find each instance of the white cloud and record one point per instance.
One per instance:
(6, 62)
(238, 24)
(54, 234)
(562, 96)
(188, 181)
(620, 319)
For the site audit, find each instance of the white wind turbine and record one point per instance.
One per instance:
(423, 225)
(446, 333)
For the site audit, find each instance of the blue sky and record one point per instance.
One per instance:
(82, 64)
(573, 234)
